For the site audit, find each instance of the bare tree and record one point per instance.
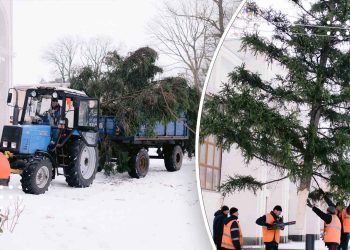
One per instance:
(4, 216)
(94, 52)
(183, 37)
(18, 208)
(189, 32)
(9, 216)
(61, 55)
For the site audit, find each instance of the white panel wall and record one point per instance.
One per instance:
(5, 57)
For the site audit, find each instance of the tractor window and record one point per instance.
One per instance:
(37, 109)
(70, 112)
(88, 111)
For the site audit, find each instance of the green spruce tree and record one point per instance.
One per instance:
(128, 90)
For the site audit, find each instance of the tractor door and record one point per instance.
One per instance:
(87, 120)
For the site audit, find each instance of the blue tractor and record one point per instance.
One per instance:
(61, 129)
(57, 128)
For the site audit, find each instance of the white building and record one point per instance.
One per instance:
(5, 56)
(216, 165)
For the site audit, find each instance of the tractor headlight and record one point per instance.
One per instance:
(54, 95)
(4, 144)
(13, 145)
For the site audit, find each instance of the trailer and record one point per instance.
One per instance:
(40, 141)
(168, 139)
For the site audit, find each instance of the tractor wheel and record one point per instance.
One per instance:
(173, 157)
(83, 163)
(139, 164)
(36, 176)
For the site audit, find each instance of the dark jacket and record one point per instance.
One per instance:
(218, 226)
(262, 220)
(327, 218)
(234, 232)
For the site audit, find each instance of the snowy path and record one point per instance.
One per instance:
(160, 211)
(319, 245)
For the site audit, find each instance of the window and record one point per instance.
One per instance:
(70, 112)
(210, 164)
(88, 110)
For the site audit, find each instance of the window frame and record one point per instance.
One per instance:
(213, 184)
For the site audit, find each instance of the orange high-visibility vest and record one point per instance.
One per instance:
(332, 230)
(5, 169)
(226, 236)
(345, 217)
(270, 235)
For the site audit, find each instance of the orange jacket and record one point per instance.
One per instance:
(345, 217)
(5, 168)
(270, 235)
(332, 230)
(226, 236)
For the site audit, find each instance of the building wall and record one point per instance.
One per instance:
(5, 57)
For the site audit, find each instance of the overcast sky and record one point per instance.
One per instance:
(38, 23)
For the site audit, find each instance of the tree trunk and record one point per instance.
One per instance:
(221, 16)
(299, 229)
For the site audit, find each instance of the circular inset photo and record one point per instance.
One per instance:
(273, 149)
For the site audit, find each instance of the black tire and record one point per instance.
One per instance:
(139, 164)
(83, 164)
(173, 157)
(100, 166)
(37, 176)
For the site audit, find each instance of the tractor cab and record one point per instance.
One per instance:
(55, 128)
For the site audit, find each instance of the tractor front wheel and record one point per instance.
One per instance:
(36, 176)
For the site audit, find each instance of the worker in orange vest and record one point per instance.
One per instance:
(332, 226)
(232, 237)
(271, 234)
(218, 225)
(344, 216)
(5, 170)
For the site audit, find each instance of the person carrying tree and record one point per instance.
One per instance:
(332, 225)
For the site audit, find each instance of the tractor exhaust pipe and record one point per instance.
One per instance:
(15, 108)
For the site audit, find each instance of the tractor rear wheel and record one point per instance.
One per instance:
(83, 164)
(36, 176)
(173, 157)
(139, 164)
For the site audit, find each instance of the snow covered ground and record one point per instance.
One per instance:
(319, 245)
(160, 211)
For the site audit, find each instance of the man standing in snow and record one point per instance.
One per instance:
(232, 237)
(271, 232)
(332, 226)
(218, 225)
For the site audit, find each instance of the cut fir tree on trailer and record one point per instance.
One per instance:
(61, 128)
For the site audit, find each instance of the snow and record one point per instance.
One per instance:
(160, 211)
(319, 245)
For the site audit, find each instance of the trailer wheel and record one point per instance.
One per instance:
(173, 157)
(83, 164)
(139, 164)
(36, 176)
